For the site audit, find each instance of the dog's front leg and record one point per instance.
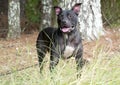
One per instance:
(54, 58)
(79, 61)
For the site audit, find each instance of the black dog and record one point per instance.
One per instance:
(63, 42)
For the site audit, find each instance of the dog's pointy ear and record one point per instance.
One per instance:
(76, 8)
(58, 10)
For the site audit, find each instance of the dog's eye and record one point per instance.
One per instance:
(69, 16)
(61, 16)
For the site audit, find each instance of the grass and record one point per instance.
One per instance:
(104, 69)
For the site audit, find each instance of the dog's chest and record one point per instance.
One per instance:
(68, 51)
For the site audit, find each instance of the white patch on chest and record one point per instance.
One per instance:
(68, 51)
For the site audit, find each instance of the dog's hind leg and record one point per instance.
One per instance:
(41, 51)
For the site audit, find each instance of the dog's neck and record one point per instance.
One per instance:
(71, 35)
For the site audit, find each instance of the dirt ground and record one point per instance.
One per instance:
(20, 53)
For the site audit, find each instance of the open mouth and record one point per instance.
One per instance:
(66, 28)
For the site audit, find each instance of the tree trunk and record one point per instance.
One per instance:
(46, 13)
(90, 18)
(14, 19)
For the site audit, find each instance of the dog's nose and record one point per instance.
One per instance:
(64, 22)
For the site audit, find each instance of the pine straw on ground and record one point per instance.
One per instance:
(21, 53)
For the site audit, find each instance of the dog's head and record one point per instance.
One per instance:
(67, 19)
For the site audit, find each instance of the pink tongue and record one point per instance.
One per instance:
(65, 29)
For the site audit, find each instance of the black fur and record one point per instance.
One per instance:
(58, 41)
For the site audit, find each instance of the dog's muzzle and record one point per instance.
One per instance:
(66, 29)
